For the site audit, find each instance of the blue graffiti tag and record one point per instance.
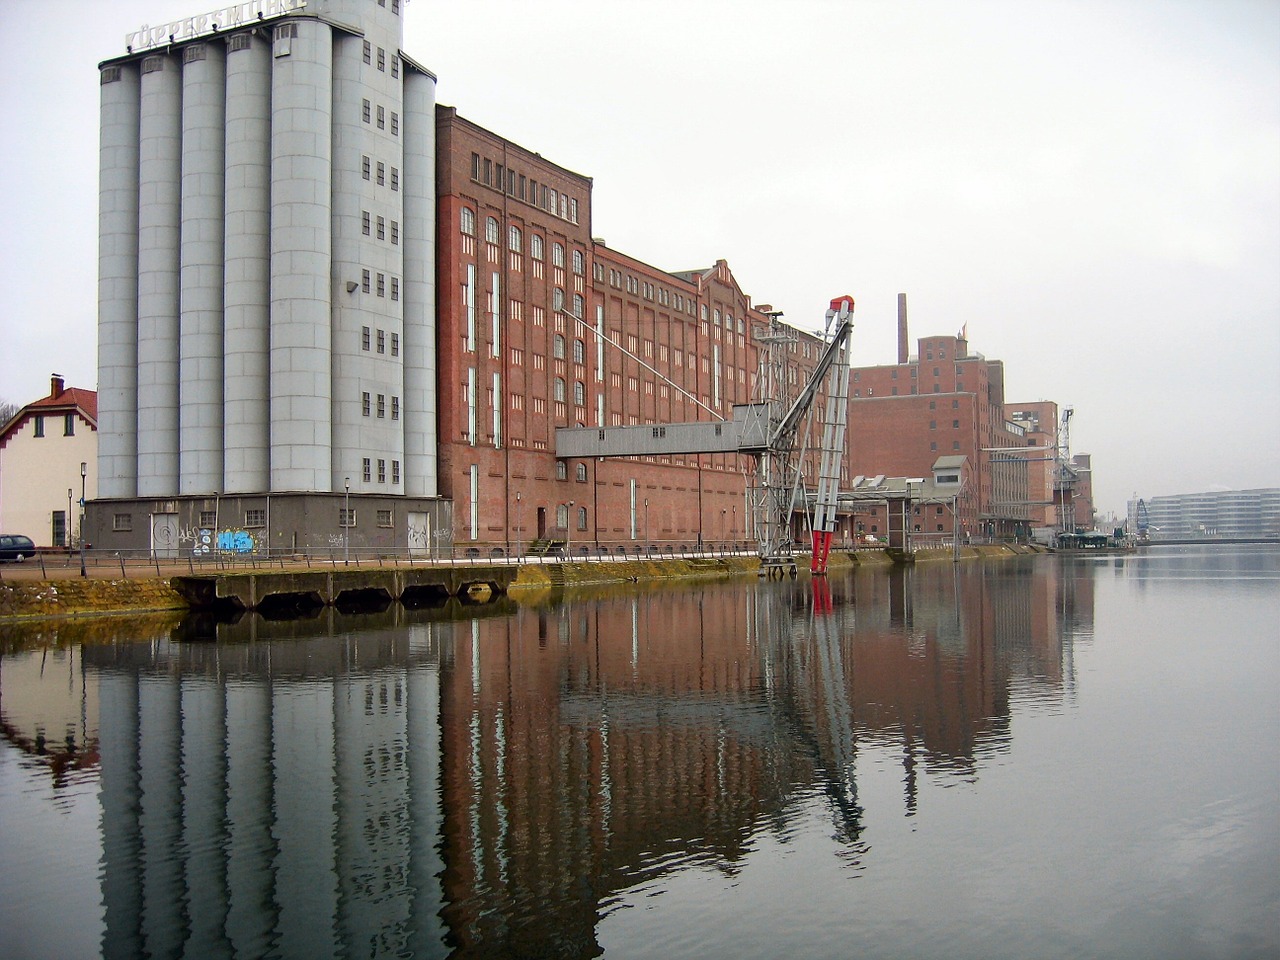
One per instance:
(235, 541)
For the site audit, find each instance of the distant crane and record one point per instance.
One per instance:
(1065, 476)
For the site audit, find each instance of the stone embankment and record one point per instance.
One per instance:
(27, 598)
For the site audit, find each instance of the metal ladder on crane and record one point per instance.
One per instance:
(833, 432)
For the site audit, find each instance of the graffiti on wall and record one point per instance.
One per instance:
(205, 541)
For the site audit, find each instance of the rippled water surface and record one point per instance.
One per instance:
(1048, 757)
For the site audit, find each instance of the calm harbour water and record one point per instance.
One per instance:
(1043, 757)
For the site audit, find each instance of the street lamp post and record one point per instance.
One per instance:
(84, 472)
(66, 534)
(568, 530)
(346, 522)
(646, 521)
(518, 553)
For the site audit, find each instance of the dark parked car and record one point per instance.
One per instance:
(16, 547)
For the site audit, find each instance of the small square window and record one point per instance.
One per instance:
(346, 518)
(255, 518)
(122, 522)
(208, 518)
(384, 518)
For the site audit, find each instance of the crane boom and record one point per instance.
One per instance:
(835, 365)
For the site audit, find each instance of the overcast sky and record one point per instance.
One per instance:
(1092, 188)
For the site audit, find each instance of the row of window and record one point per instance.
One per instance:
(366, 406)
(382, 59)
(643, 288)
(515, 241)
(367, 225)
(506, 180)
(257, 518)
(68, 425)
(366, 471)
(366, 338)
(370, 282)
(395, 6)
(347, 516)
(368, 110)
(367, 168)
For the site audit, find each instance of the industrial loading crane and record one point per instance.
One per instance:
(765, 429)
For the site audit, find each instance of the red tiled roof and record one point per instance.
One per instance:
(84, 400)
(70, 400)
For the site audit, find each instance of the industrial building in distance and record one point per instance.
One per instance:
(333, 311)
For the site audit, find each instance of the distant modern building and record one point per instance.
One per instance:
(1213, 515)
(267, 282)
(41, 452)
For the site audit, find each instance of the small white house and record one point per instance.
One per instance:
(48, 461)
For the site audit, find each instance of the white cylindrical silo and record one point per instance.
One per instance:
(359, 198)
(419, 346)
(247, 269)
(301, 152)
(200, 297)
(118, 282)
(159, 211)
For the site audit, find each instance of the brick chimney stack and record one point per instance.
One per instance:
(904, 353)
(56, 385)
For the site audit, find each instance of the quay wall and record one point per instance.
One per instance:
(33, 599)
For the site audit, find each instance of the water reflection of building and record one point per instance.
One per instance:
(495, 784)
(591, 747)
(49, 710)
(274, 793)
